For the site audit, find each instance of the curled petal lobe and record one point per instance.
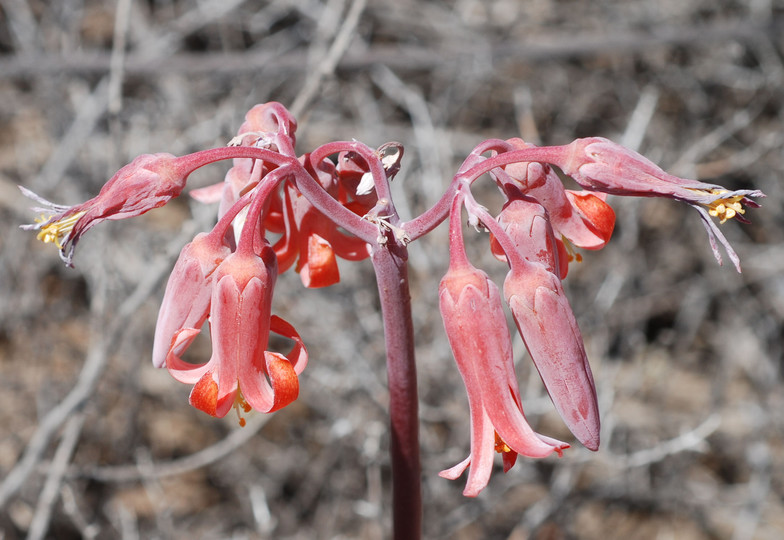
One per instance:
(204, 395)
(320, 268)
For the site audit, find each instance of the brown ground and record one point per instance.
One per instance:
(96, 443)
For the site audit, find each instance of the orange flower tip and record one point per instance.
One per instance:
(204, 395)
(56, 231)
(321, 269)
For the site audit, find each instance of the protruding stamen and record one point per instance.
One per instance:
(240, 403)
(571, 252)
(725, 209)
(57, 230)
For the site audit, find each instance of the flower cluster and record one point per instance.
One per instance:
(535, 233)
(279, 211)
(226, 276)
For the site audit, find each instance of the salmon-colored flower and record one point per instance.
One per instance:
(310, 238)
(545, 320)
(186, 302)
(479, 337)
(307, 238)
(242, 373)
(578, 218)
(148, 182)
(602, 165)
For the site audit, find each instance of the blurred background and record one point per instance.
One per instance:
(687, 354)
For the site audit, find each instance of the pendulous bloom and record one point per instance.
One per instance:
(581, 217)
(241, 373)
(598, 164)
(186, 302)
(309, 238)
(149, 181)
(578, 218)
(234, 289)
(479, 337)
(544, 317)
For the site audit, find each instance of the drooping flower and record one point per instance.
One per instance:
(602, 165)
(307, 238)
(544, 317)
(186, 302)
(582, 217)
(242, 373)
(476, 327)
(149, 181)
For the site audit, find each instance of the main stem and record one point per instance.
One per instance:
(390, 263)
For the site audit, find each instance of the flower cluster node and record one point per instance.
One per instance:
(279, 211)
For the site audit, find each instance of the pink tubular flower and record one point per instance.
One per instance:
(602, 165)
(545, 320)
(479, 337)
(241, 373)
(186, 302)
(148, 182)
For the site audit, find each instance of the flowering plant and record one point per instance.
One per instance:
(279, 211)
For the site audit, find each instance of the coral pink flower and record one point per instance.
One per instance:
(545, 320)
(186, 302)
(602, 165)
(148, 182)
(241, 373)
(479, 337)
(307, 237)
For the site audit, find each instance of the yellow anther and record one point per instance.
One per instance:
(55, 231)
(724, 209)
(500, 445)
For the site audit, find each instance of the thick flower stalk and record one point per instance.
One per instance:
(279, 211)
